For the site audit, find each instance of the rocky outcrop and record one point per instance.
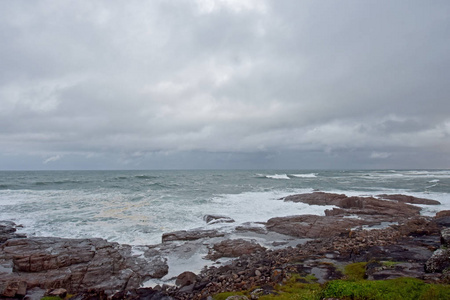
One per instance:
(214, 219)
(76, 265)
(357, 205)
(8, 231)
(409, 199)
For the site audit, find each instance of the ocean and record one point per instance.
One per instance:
(137, 207)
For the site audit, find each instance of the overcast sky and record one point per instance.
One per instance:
(224, 84)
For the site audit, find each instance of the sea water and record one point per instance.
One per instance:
(137, 207)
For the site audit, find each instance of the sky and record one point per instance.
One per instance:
(225, 84)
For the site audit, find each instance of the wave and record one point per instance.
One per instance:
(145, 177)
(278, 176)
(309, 175)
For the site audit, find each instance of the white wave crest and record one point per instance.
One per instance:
(278, 176)
(309, 175)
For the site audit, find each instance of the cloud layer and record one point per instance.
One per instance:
(212, 84)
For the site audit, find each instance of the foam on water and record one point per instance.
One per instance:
(309, 175)
(278, 176)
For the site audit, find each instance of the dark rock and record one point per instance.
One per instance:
(190, 235)
(213, 219)
(443, 221)
(234, 248)
(8, 231)
(409, 199)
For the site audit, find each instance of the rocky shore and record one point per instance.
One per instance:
(249, 257)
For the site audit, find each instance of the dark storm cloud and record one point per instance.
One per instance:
(176, 84)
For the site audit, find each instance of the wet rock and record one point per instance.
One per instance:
(234, 248)
(409, 199)
(8, 231)
(190, 235)
(34, 294)
(214, 219)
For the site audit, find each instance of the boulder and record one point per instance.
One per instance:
(234, 248)
(186, 278)
(190, 235)
(214, 219)
(439, 261)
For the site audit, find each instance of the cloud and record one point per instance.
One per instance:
(226, 78)
(380, 155)
(52, 159)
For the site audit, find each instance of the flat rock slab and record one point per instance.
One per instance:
(312, 226)
(76, 264)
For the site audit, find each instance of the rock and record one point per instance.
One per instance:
(312, 226)
(409, 199)
(13, 289)
(443, 221)
(213, 219)
(186, 278)
(234, 248)
(141, 294)
(237, 297)
(357, 205)
(8, 231)
(443, 213)
(60, 292)
(439, 261)
(445, 237)
(77, 264)
(190, 235)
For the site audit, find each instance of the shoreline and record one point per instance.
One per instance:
(239, 260)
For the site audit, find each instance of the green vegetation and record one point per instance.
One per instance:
(355, 271)
(354, 286)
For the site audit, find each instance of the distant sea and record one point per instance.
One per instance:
(136, 207)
